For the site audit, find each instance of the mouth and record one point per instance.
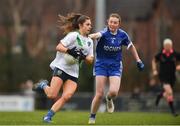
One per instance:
(111, 28)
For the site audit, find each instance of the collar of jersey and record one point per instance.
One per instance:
(167, 53)
(111, 32)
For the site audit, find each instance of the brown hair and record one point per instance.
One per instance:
(71, 21)
(115, 15)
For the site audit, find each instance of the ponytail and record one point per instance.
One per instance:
(71, 21)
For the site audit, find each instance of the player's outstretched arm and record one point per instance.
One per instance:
(140, 64)
(95, 35)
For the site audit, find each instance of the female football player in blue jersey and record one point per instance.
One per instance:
(71, 50)
(108, 65)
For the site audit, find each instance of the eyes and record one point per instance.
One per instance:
(88, 24)
(114, 22)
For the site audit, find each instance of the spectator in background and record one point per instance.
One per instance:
(27, 88)
(75, 47)
(136, 93)
(167, 60)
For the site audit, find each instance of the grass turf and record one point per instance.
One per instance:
(81, 118)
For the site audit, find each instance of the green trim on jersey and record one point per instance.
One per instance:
(79, 41)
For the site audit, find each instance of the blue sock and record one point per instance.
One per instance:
(50, 113)
(93, 115)
(44, 83)
(43, 86)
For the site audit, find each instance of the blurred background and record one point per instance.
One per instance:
(29, 35)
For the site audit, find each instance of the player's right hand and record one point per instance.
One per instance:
(73, 52)
(140, 65)
(155, 73)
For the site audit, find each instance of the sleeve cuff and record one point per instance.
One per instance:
(129, 45)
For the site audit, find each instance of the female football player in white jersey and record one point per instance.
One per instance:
(71, 50)
(108, 65)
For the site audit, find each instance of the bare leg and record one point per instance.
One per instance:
(69, 89)
(114, 85)
(100, 85)
(55, 85)
(169, 97)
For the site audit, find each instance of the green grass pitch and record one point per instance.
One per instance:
(81, 118)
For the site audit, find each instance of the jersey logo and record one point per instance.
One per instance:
(112, 40)
(112, 48)
(89, 43)
(59, 72)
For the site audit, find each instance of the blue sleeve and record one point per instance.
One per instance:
(126, 40)
(103, 32)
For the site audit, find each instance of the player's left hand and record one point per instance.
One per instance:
(140, 65)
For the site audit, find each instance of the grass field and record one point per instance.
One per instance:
(81, 118)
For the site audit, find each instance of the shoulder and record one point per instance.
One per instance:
(105, 30)
(122, 32)
(158, 54)
(90, 40)
(74, 33)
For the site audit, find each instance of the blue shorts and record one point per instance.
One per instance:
(108, 69)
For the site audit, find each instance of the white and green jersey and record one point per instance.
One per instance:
(72, 39)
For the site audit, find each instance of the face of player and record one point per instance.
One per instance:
(85, 28)
(113, 24)
(168, 47)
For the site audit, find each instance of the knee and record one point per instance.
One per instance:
(113, 94)
(66, 97)
(169, 92)
(170, 98)
(169, 95)
(99, 96)
(51, 95)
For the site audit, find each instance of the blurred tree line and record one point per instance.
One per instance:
(28, 37)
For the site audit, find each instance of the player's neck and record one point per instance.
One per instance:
(82, 33)
(114, 32)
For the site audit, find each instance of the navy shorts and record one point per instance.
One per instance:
(64, 76)
(108, 69)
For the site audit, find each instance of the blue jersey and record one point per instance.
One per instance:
(109, 46)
